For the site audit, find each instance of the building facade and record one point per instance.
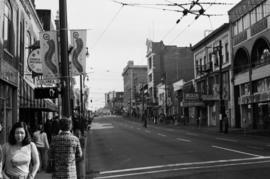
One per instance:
(20, 27)
(212, 61)
(167, 65)
(251, 62)
(134, 76)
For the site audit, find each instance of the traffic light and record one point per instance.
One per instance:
(48, 92)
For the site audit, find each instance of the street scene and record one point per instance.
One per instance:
(134, 89)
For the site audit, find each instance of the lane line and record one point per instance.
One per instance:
(183, 140)
(183, 164)
(236, 151)
(161, 135)
(225, 139)
(184, 168)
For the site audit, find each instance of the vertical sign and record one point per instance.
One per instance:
(78, 56)
(49, 56)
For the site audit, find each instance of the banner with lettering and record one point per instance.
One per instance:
(49, 56)
(78, 55)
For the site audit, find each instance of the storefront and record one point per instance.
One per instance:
(8, 98)
(33, 111)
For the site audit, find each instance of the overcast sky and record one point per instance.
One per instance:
(118, 33)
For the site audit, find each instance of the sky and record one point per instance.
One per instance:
(117, 34)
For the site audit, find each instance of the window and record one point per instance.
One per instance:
(266, 8)
(253, 16)
(235, 30)
(150, 63)
(7, 27)
(259, 13)
(26, 53)
(240, 25)
(226, 53)
(246, 21)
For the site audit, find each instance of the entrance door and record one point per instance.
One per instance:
(237, 107)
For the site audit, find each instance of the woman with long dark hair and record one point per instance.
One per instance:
(19, 153)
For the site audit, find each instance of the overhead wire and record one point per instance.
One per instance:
(107, 26)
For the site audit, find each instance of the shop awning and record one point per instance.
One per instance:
(27, 100)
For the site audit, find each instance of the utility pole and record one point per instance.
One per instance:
(165, 86)
(81, 96)
(65, 79)
(221, 102)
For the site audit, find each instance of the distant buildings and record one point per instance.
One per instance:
(134, 77)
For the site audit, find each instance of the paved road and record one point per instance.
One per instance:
(119, 148)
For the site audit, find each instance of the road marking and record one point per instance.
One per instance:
(192, 134)
(161, 135)
(147, 131)
(97, 126)
(183, 140)
(184, 166)
(237, 151)
(225, 139)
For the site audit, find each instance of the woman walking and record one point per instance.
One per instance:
(41, 141)
(18, 153)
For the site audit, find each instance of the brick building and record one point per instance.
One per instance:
(134, 76)
(167, 65)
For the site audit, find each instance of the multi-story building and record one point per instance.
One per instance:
(134, 77)
(212, 67)
(20, 27)
(114, 102)
(250, 28)
(166, 66)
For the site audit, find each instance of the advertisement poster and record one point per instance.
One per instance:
(78, 56)
(49, 56)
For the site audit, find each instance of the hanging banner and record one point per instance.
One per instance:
(78, 56)
(49, 56)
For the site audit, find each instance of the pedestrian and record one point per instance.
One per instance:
(48, 129)
(41, 141)
(55, 126)
(20, 155)
(65, 149)
(144, 117)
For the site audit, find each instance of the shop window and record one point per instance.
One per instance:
(7, 27)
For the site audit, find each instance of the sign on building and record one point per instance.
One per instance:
(49, 55)
(78, 54)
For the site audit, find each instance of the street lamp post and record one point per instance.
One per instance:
(65, 80)
(221, 101)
